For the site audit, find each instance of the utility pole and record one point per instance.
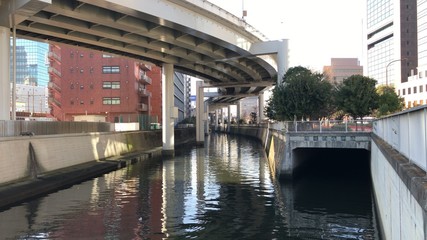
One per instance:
(244, 12)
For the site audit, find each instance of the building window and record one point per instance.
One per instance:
(82, 102)
(403, 92)
(415, 90)
(81, 70)
(91, 85)
(398, 92)
(421, 89)
(107, 55)
(110, 69)
(72, 86)
(111, 100)
(420, 74)
(111, 85)
(81, 87)
(72, 102)
(91, 69)
(91, 101)
(409, 91)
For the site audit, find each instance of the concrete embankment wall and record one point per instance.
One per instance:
(274, 143)
(400, 192)
(400, 186)
(26, 157)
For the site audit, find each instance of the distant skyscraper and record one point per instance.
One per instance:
(342, 68)
(182, 93)
(391, 40)
(31, 63)
(415, 90)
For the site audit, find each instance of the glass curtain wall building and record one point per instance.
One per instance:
(181, 95)
(31, 62)
(391, 40)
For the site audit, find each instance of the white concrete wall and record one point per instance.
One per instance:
(13, 159)
(59, 151)
(54, 152)
(401, 215)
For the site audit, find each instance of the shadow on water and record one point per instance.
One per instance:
(332, 191)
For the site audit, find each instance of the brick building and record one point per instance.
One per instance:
(88, 85)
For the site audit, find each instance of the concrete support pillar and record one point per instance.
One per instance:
(216, 119)
(168, 110)
(238, 111)
(222, 119)
(278, 46)
(206, 118)
(14, 74)
(260, 107)
(4, 73)
(282, 60)
(229, 118)
(200, 113)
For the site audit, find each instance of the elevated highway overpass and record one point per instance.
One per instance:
(190, 36)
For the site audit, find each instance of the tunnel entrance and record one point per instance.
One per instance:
(334, 184)
(330, 162)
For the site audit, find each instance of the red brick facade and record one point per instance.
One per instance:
(90, 83)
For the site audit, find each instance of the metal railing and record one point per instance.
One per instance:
(323, 126)
(406, 132)
(10, 128)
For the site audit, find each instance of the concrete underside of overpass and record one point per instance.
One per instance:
(193, 37)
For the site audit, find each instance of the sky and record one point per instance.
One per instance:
(317, 30)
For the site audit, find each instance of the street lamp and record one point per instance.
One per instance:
(386, 68)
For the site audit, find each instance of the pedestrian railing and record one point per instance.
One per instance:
(323, 126)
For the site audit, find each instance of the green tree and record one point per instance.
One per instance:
(303, 94)
(357, 96)
(388, 102)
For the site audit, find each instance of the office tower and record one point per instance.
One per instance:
(31, 63)
(414, 91)
(391, 40)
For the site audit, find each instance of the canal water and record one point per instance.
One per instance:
(223, 191)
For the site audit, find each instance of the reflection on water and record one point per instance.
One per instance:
(223, 191)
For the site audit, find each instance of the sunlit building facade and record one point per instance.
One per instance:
(88, 85)
(391, 40)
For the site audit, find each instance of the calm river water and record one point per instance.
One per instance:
(223, 191)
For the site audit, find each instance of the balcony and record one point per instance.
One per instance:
(53, 85)
(53, 70)
(145, 67)
(142, 107)
(54, 101)
(144, 79)
(53, 55)
(144, 92)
